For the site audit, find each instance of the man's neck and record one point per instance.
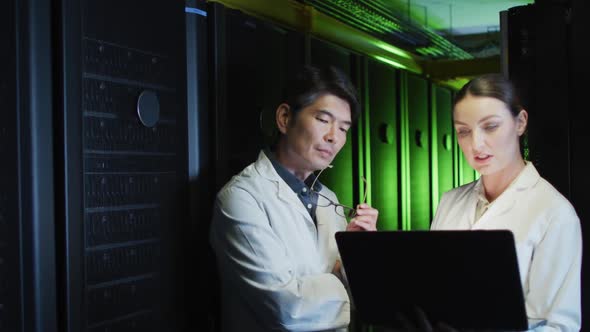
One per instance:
(289, 162)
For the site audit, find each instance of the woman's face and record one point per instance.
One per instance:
(488, 133)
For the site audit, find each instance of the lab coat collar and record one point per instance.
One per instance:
(527, 178)
(265, 168)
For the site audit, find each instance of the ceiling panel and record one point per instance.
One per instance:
(458, 16)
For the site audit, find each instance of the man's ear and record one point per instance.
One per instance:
(283, 117)
(521, 122)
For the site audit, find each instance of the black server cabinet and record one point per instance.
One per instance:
(250, 59)
(545, 53)
(536, 60)
(121, 128)
(27, 241)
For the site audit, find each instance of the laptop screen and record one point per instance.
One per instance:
(466, 279)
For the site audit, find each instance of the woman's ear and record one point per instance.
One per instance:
(521, 122)
(283, 117)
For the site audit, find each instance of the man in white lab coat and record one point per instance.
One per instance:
(273, 225)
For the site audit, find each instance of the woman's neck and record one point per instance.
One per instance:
(495, 184)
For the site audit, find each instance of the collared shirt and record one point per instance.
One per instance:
(482, 201)
(483, 204)
(301, 188)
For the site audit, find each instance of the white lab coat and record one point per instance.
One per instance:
(275, 265)
(548, 243)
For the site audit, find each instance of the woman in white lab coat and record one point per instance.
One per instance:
(510, 194)
(273, 225)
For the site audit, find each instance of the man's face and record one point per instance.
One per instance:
(314, 136)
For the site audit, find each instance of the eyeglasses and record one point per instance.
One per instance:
(342, 210)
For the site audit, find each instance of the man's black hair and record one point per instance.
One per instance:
(311, 83)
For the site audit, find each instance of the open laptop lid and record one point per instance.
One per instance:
(467, 279)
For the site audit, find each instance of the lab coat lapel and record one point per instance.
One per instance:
(324, 239)
(286, 194)
(470, 198)
(511, 195)
(501, 206)
(283, 191)
(323, 214)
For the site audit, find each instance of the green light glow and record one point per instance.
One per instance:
(405, 156)
(468, 173)
(365, 136)
(390, 62)
(455, 83)
(418, 134)
(382, 143)
(434, 190)
(347, 9)
(456, 153)
(392, 49)
(442, 133)
(397, 10)
(339, 178)
(433, 51)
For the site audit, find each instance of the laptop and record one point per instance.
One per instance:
(466, 279)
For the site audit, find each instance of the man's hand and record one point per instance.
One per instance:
(365, 219)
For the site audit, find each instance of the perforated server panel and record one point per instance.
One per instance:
(125, 163)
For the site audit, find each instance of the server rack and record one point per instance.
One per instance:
(250, 59)
(121, 157)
